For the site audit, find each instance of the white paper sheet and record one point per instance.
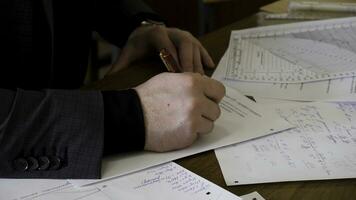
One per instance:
(332, 6)
(323, 146)
(267, 101)
(343, 89)
(307, 15)
(252, 196)
(241, 119)
(73, 193)
(28, 188)
(294, 53)
(46, 189)
(167, 181)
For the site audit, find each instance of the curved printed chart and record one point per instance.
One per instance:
(288, 60)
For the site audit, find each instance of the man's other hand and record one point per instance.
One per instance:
(177, 108)
(148, 40)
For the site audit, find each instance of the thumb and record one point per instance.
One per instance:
(126, 56)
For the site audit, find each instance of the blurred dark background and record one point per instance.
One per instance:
(196, 16)
(203, 16)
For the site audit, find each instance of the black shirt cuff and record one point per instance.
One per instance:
(123, 122)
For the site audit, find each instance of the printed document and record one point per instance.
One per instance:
(323, 146)
(342, 89)
(294, 53)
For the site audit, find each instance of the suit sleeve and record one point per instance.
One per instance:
(51, 134)
(124, 122)
(116, 19)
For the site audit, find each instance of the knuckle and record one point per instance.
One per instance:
(157, 32)
(193, 106)
(190, 80)
(186, 37)
(184, 42)
(187, 34)
(196, 45)
(158, 29)
(175, 29)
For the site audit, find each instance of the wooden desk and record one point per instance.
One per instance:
(205, 164)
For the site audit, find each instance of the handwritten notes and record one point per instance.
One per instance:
(323, 146)
(167, 181)
(294, 53)
(241, 119)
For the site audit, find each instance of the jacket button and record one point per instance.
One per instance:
(32, 162)
(20, 164)
(55, 162)
(43, 163)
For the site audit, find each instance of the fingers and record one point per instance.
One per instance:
(187, 51)
(192, 55)
(206, 125)
(198, 66)
(210, 113)
(213, 89)
(186, 56)
(210, 109)
(162, 41)
(123, 61)
(167, 44)
(207, 60)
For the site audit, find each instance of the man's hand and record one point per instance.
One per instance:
(178, 107)
(149, 40)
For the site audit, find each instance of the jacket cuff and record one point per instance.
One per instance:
(123, 122)
(53, 134)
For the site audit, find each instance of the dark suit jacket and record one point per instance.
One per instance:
(48, 128)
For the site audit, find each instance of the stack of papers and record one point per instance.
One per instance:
(282, 62)
(167, 181)
(312, 9)
(301, 62)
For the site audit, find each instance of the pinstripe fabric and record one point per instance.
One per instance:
(64, 123)
(47, 47)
